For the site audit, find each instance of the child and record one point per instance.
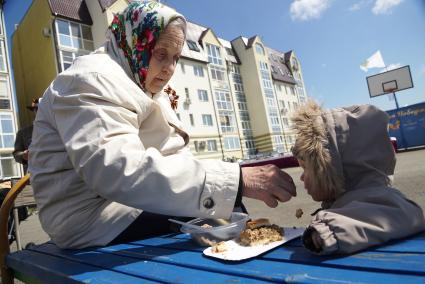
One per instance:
(347, 157)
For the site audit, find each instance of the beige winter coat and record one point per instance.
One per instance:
(103, 151)
(352, 156)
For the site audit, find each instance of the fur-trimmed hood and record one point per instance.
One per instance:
(347, 148)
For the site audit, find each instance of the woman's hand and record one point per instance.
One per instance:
(267, 183)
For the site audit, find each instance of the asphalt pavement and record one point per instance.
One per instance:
(409, 177)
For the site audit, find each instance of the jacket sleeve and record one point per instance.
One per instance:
(363, 223)
(100, 121)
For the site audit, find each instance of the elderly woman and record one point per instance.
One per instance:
(109, 157)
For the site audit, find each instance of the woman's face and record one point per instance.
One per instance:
(164, 58)
(309, 184)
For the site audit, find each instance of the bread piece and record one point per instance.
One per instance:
(219, 247)
(257, 223)
(261, 235)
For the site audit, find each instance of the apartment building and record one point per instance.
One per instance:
(235, 96)
(8, 123)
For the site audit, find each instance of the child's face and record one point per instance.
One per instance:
(310, 184)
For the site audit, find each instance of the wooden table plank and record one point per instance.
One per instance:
(273, 270)
(50, 269)
(146, 267)
(376, 259)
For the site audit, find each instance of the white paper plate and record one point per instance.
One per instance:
(236, 251)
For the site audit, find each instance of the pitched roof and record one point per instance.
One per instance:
(280, 70)
(75, 10)
(250, 41)
(194, 32)
(104, 4)
(288, 55)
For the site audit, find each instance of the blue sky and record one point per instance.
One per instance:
(330, 37)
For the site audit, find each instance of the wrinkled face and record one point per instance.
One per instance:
(164, 58)
(310, 184)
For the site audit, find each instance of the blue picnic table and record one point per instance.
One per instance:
(175, 258)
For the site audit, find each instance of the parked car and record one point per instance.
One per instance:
(281, 161)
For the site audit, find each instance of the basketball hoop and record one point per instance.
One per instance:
(390, 81)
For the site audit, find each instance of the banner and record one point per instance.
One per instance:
(408, 125)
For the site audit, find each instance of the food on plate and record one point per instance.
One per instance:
(206, 226)
(299, 213)
(253, 224)
(260, 232)
(219, 247)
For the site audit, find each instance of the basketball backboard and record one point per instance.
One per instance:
(390, 81)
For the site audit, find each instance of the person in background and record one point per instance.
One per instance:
(23, 139)
(110, 161)
(347, 158)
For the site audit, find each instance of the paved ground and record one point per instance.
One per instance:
(409, 178)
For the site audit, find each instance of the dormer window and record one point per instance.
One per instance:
(259, 49)
(229, 51)
(192, 45)
(214, 55)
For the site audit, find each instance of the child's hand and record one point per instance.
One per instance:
(267, 183)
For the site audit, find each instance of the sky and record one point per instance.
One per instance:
(331, 38)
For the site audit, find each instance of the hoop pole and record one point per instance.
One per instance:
(403, 139)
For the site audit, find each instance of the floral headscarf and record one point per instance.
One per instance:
(136, 31)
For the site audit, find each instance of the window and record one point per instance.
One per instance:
(74, 40)
(192, 45)
(207, 120)
(229, 51)
(203, 95)
(178, 116)
(227, 121)
(237, 78)
(7, 131)
(182, 67)
(74, 35)
(4, 88)
(238, 87)
(281, 72)
(250, 144)
(198, 70)
(212, 145)
(285, 122)
(263, 66)
(273, 69)
(242, 106)
(223, 101)
(192, 122)
(246, 125)
(186, 91)
(259, 49)
(66, 58)
(3, 67)
(231, 143)
(278, 142)
(214, 55)
(217, 73)
(8, 168)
